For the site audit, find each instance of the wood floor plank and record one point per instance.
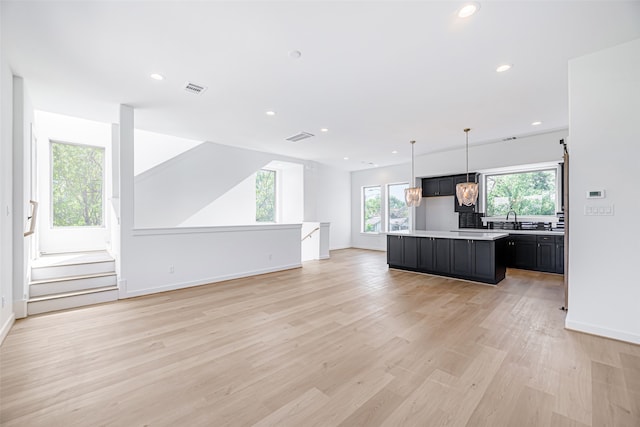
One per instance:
(343, 341)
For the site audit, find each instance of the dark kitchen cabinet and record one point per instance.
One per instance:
(546, 254)
(538, 253)
(559, 254)
(441, 186)
(478, 260)
(460, 179)
(433, 255)
(402, 251)
(521, 251)
(475, 258)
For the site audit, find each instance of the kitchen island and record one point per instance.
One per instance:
(480, 257)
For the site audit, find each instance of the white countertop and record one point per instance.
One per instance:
(534, 232)
(466, 235)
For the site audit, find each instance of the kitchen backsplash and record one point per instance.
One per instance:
(474, 220)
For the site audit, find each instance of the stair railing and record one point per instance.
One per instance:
(32, 218)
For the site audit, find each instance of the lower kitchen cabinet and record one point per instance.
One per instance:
(559, 254)
(538, 253)
(434, 254)
(546, 254)
(521, 251)
(477, 258)
(402, 251)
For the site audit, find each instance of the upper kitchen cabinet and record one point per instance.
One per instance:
(473, 177)
(441, 186)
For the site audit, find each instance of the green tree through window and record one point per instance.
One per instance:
(266, 196)
(372, 213)
(527, 193)
(77, 185)
(397, 209)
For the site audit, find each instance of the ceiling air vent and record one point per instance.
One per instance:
(194, 88)
(299, 136)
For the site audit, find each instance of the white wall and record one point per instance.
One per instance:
(604, 105)
(237, 206)
(6, 203)
(534, 149)
(155, 260)
(440, 214)
(329, 189)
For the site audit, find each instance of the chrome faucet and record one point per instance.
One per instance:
(515, 218)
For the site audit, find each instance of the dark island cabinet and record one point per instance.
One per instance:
(402, 251)
(477, 258)
(433, 254)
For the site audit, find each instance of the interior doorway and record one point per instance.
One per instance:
(73, 172)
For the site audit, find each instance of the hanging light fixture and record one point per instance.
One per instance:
(467, 192)
(413, 195)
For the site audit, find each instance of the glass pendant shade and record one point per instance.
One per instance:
(467, 192)
(413, 195)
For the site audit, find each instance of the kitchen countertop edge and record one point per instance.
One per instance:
(465, 235)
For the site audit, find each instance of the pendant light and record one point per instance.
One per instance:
(413, 195)
(467, 192)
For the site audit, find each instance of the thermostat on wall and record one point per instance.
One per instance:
(595, 194)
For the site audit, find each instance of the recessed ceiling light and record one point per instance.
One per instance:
(394, 152)
(502, 68)
(324, 130)
(156, 76)
(270, 113)
(536, 123)
(468, 9)
(346, 158)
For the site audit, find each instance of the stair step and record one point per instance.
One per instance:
(71, 284)
(72, 270)
(68, 300)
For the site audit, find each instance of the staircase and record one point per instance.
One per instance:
(62, 281)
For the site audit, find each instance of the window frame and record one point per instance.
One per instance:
(51, 198)
(556, 167)
(388, 208)
(276, 209)
(363, 209)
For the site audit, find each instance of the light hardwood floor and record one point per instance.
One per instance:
(342, 342)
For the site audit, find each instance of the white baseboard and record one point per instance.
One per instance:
(602, 332)
(6, 327)
(207, 281)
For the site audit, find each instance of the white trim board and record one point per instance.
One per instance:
(602, 332)
(174, 286)
(7, 327)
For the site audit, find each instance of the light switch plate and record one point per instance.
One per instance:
(599, 210)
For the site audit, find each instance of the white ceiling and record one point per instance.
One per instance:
(376, 74)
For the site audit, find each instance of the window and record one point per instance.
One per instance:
(77, 176)
(528, 193)
(266, 196)
(397, 209)
(371, 208)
